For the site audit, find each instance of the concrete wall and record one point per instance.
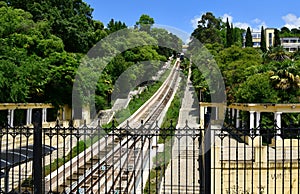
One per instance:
(258, 167)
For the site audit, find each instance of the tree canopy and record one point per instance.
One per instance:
(248, 42)
(43, 44)
(145, 22)
(208, 30)
(263, 45)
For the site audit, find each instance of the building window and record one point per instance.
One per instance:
(256, 44)
(270, 39)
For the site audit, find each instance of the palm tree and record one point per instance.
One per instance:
(286, 78)
(276, 54)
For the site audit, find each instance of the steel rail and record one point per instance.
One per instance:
(149, 112)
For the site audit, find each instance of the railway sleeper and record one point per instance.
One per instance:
(58, 190)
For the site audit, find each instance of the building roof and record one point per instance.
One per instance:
(259, 107)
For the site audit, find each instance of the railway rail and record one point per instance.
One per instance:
(116, 163)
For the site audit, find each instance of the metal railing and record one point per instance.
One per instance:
(149, 160)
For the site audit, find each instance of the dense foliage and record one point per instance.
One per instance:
(43, 44)
(248, 42)
(251, 75)
(263, 44)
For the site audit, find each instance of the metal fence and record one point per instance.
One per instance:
(149, 160)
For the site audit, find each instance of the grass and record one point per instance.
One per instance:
(133, 106)
(155, 175)
(170, 120)
(140, 99)
(161, 160)
(80, 147)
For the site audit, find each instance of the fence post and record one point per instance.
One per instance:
(201, 163)
(207, 154)
(37, 150)
(207, 162)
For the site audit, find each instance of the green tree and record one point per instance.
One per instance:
(263, 45)
(167, 39)
(208, 30)
(70, 20)
(249, 42)
(114, 26)
(238, 36)
(236, 64)
(285, 32)
(285, 78)
(62, 69)
(276, 54)
(295, 31)
(145, 22)
(99, 31)
(277, 41)
(257, 89)
(229, 34)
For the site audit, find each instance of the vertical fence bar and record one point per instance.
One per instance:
(37, 149)
(200, 164)
(207, 172)
(207, 161)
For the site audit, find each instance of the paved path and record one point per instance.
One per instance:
(189, 111)
(181, 174)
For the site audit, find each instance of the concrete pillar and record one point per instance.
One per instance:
(44, 115)
(217, 113)
(63, 114)
(237, 118)
(202, 112)
(72, 114)
(86, 113)
(233, 114)
(257, 121)
(251, 121)
(277, 118)
(29, 116)
(10, 117)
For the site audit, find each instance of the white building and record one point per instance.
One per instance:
(256, 38)
(291, 44)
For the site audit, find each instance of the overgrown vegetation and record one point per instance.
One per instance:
(43, 43)
(251, 75)
(80, 147)
(140, 99)
(161, 160)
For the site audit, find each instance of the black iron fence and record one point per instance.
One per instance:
(92, 159)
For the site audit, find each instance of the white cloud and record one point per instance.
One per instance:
(241, 25)
(257, 21)
(254, 24)
(225, 16)
(291, 21)
(257, 27)
(195, 20)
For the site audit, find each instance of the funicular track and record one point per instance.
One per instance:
(115, 163)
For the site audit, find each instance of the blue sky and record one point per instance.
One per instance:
(184, 14)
